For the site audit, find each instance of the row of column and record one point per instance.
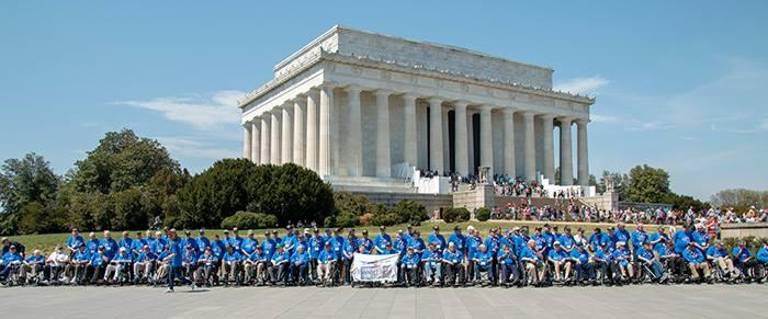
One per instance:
(301, 131)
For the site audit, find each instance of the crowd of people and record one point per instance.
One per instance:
(514, 257)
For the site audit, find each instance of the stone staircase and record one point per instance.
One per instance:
(366, 184)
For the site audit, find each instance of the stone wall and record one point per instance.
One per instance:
(430, 201)
(744, 230)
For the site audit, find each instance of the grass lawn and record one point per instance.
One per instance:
(47, 242)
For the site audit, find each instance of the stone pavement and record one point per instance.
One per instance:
(719, 301)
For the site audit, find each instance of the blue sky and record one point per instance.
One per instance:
(679, 84)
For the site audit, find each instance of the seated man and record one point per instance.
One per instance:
(584, 269)
(409, 267)
(697, 263)
(10, 265)
(98, 264)
(144, 265)
(32, 269)
(534, 266)
(561, 263)
(623, 258)
(674, 263)
(762, 258)
(189, 260)
(326, 263)
(57, 262)
(164, 260)
(483, 260)
(280, 266)
(230, 265)
(81, 260)
(604, 265)
(507, 266)
(452, 262)
(254, 266)
(648, 258)
(118, 267)
(207, 267)
(745, 261)
(300, 266)
(717, 255)
(431, 261)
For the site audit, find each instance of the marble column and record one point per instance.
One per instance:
(410, 149)
(383, 160)
(471, 141)
(436, 135)
(247, 141)
(460, 138)
(486, 139)
(286, 135)
(255, 141)
(446, 141)
(509, 142)
(529, 147)
(265, 139)
(549, 156)
(566, 156)
(313, 103)
(274, 156)
(354, 135)
(325, 134)
(299, 130)
(583, 158)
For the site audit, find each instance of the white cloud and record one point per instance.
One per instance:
(600, 118)
(192, 148)
(203, 113)
(583, 85)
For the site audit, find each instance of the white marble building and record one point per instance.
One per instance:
(362, 108)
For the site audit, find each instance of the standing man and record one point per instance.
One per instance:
(174, 259)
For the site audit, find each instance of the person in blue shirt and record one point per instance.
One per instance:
(254, 266)
(453, 264)
(682, 238)
(762, 254)
(202, 241)
(483, 261)
(363, 241)
(191, 241)
(10, 263)
(231, 266)
(143, 265)
(435, 236)
(458, 239)
(118, 267)
(650, 261)
(417, 243)
(566, 240)
(744, 261)
(717, 255)
(381, 239)
(700, 238)
(249, 244)
(584, 269)
(137, 247)
(315, 245)
(32, 271)
(508, 270)
(697, 263)
(110, 245)
(548, 237)
(93, 243)
(98, 264)
(598, 237)
(623, 258)
(432, 261)
(189, 261)
(207, 266)
(268, 245)
(174, 259)
(473, 242)
(326, 263)
(409, 268)
(660, 237)
(621, 234)
(535, 268)
(300, 266)
(674, 262)
(290, 241)
(348, 250)
(126, 242)
(280, 266)
(79, 264)
(605, 268)
(639, 237)
(75, 240)
(561, 263)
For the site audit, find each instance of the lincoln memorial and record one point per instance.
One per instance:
(372, 112)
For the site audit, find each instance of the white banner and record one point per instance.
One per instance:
(374, 268)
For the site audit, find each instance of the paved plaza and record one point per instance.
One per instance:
(719, 301)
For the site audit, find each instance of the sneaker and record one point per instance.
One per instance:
(170, 290)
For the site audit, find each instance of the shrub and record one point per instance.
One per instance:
(410, 212)
(456, 215)
(248, 220)
(384, 217)
(482, 214)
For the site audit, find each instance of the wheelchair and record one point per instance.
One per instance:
(11, 275)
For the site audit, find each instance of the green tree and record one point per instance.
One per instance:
(648, 185)
(22, 182)
(620, 182)
(740, 199)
